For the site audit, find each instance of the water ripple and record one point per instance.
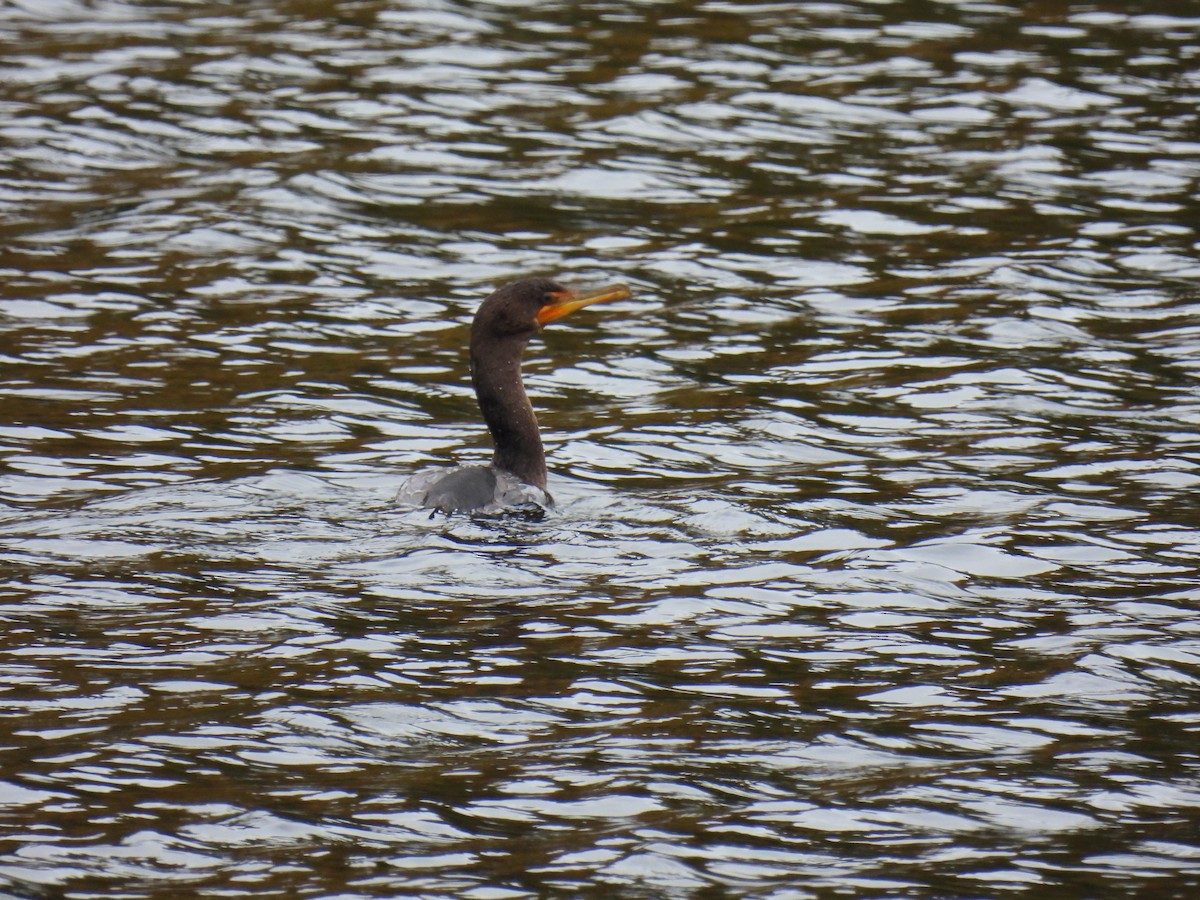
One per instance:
(874, 555)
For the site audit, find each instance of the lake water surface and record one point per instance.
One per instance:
(874, 567)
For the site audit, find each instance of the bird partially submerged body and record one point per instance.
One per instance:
(483, 489)
(502, 327)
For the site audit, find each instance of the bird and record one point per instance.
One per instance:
(503, 326)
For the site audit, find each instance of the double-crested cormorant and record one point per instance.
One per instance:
(503, 325)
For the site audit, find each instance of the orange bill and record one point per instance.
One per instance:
(566, 302)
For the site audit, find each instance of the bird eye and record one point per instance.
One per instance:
(547, 298)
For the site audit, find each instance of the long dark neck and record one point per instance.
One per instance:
(496, 374)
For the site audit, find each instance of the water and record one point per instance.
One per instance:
(874, 566)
